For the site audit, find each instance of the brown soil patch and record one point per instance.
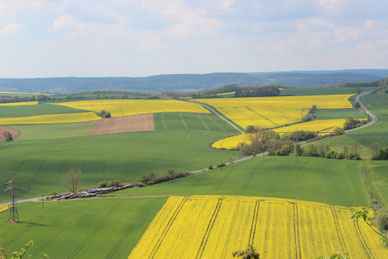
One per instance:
(13, 132)
(132, 123)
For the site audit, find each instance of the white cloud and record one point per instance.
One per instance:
(194, 26)
(12, 28)
(62, 22)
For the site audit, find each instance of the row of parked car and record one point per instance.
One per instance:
(92, 192)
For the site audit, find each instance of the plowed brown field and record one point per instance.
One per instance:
(132, 123)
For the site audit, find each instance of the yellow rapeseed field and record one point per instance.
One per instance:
(221, 94)
(51, 118)
(269, 112)
(321, 126)
(3, 208)
(131, 107)
(19, 103)
(216, 226)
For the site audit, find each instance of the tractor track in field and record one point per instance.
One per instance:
(167, 228)
(94, 232)
(338, 229)
(210, 226)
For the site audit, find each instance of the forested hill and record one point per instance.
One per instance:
(187, 82)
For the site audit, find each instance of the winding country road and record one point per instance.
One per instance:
(363, 107)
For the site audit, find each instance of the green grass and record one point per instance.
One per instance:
(98, 228)
(327, 114)
(34, 110)
(336, 182)
(323, 90)
(42, 164)
(191, 121)
(53, 131)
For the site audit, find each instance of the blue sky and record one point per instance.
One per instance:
(50, 38)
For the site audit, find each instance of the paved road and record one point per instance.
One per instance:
(366, 110)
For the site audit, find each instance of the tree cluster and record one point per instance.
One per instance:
(14, 99)
(170, 175)
(324, 151)
(381, 154)
(351, 123)
(258, 92)
(310, 116)
(104, 114)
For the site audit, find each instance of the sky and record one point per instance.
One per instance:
(55, 38)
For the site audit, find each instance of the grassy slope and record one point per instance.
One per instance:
(379, 173)
(335, 182)
(42, 164)
(85, 229)
(53, 131)
(34, 110)
(327, 114)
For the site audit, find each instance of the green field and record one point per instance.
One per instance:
(335, 182)
(327, 114)
(34, 110)
(41, 156)
(323, 90)
(379, 175)
(98, 228)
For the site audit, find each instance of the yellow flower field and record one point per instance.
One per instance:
(19, 103)
(51, 119)
(269, 112)
(131, 107)
(321, 126)
(3, 208)
(221, 94)
(216, 226)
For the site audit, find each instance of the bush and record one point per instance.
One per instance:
(382, 218)
(357, 105)
(250, 129)
(221, 165)
(210, 167)
(351, 123)
(301, 135)
(111, 183)
(246, 150)
(171, 175)
(340, 156)
(339, 131)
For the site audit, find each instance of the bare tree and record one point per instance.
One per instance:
(73, 179)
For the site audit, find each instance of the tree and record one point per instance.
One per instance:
(249, 253)
(19, 254)
(374, 148)
(73, 179)
(7, 136)
(363, 213)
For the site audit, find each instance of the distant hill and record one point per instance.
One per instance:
(190, 82)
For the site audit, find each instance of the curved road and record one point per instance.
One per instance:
(363, 107)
